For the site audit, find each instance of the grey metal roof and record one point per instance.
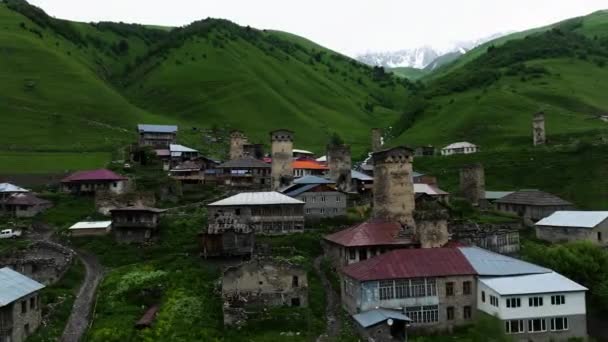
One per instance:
(312, 180)
(180, 148)
(494, 195)
(372, 317)
(579, 219)
(14, 285)
(297, 190)
(487, 263)
(8, 187)
(532, 283)
(533, 197)
(256, 198)
(157, 128)
(247, 163)
(360, 176)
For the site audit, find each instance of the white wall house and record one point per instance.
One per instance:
(535, 307)
(462, 147)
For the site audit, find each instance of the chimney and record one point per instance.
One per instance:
(393, 188)
(339, 163)
(473, 183)
(282, 158)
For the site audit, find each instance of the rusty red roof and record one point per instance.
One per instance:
(370, 233)
(411, 263)
(93, 175)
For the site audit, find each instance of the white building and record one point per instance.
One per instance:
(563, 226)
(462, 147)
(535, 307)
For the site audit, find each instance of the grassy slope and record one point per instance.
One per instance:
(410, 73)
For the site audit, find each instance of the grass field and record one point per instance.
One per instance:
(51, 162)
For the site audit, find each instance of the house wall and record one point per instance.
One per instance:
(282, 157)
(134, 234)
(23, 323)
(266, 219)
(323, 204)
(574, 309)
(566, 234)
(156, 139)
(117, 187)
(25, 210)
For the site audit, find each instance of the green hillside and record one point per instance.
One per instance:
(491, 99)
(71, 87)
(409, 73)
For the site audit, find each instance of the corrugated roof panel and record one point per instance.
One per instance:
(8, 187)
(14, 285)
(157, 128)
(180, 148)
(487, 263)
(354, 174)
(533, 197)
(372, 317)
(91, 225)
(257, 198)
(312, 180)
(494, 195)
(533, 283)
(580, 219)
(370, 233)
(421, 188)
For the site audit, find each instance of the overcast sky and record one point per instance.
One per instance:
(348, 26)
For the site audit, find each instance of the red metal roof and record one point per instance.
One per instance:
(370, 233)
(411, 263)
(93, 175)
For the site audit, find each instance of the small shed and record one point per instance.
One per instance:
(90, 228)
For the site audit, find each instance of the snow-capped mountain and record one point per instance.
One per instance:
(423, 56)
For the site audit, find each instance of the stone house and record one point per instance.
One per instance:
(321, 198)
(499, 238)
(137, 224)
(195, 171)
(156, 136)
(20, 313)
(175, 154)
(435, 288)
(361, 183)
(226, 235)
(7, 190)
(245, 173)
(23, 205)
(260, 283)
(433, 191)
(565, 226)
(532, 205)
(382, 325)
(89, 182)
(462, 147)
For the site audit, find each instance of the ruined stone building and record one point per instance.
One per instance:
(568, 226)
(226, 235)
(20, 306)
(472, 183)
(431, 218)
(376, 139)
(499, 238)
(321, 198)
(136, 224)
(262, 283)
(253, 151)
(237, 142)
(245, 173)
(44, 261)
(156, 136)
(340, 165)
(282, 157)
(531, 204)
(538, 129)
(24, 204)
(92, 181)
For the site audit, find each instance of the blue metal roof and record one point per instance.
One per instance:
(487, 263)
(372, 317)
(157, 128)
(312, 180)
(14, 285)
(299, 190)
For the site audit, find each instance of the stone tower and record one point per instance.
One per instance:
(473, 183)
(255, 151)
(538, 129)
(237, 140)
(376, 139)
(282, 158)
(339, 162)
(393, 188)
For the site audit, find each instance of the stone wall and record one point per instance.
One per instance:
(376, 139)
(44, 261)
(393, 188)
(26, 317)
(340, 165)
(282, 158)
(472, 183)
(597, 235)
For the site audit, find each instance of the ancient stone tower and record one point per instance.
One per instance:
(339, 162)
(473, 183)
(538, 129)
(376, 139)
(282, 157)
(237, 140)
(393, 188)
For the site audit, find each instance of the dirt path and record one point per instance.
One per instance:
(81, 311)
(332, 313)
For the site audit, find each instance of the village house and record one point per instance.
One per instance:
(435, 288)
(424, 151)
(156, 136)
(92, 181)
(492, 196)
(298, 153)
(137, 224)
(198, 170)
(321, 198)
(566, 226)
(361, 182)
(433, 191)
(20, 306)
(382, 325)
(308, 167)
(90, 228)
(245, 173)
(262, 283)
(175, 154)
(421, 178)
(264, 212)
(8, 189)
(23, 204)
(459, 148)
(532, 205)
(226, 235)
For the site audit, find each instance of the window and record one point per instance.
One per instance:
(308, 211)
(423, 314)
(295, 302)
(304, 199)
(322, 211)
(466, 312)
(431, 287)
(295, 281)
(537, 325)
(513, 302)
(402, 288)
(514, 326)
(237, 211)
(483, 296)
(559, 323)
(494, 301)
(599, 236)
(449, 289)
(322, 198)
(32, 303)
(24, 306)
(535, 301)
(418, 288)
(314, 199)
(386, 290)
(338, 199)
(335, 210)
(26, 328)
(466, 287)
(558, 300)
(450, 313)
(352, 254)
(362, 254)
